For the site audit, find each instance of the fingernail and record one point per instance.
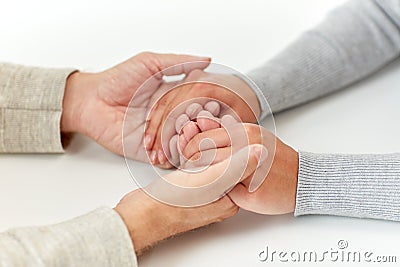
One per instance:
(261, 154)
(161, 157)
(147, 141)
(213, 107)
(256, 182)
(153, 156)
(182, 160)
(205, 58)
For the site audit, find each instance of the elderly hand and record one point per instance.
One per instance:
(150, 221)
(95, 103)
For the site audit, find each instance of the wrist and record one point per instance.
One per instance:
(292, 172)
(76, 88)
(146, 222)
(69, 118)
(149, 221)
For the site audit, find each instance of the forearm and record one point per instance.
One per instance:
(354, 41)
(30, 108)
(364, 186)
(99, 238)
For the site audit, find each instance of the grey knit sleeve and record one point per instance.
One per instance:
(30, 108)
(99, 238)
(354, 41)
(366, 186)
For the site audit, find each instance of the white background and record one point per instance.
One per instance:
(94, 35)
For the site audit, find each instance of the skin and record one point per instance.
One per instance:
(150, 221)
(277, 194)
(186, 128)
(94, 104)
(197, 84)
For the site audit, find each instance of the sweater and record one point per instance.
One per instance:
(354, 41)
(30, 113)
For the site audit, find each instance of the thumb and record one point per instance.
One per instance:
(246, 200)
(182, 189)
(241, 197)
(172, 64)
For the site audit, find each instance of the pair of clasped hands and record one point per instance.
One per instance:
(194, 122)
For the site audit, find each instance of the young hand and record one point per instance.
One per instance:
(277, 192)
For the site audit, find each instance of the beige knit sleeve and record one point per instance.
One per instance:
(99, 238)
(30, 108)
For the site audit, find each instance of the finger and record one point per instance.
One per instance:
(207, 157)
(227, 120)
(163, 137)
(181, 64)
(181, 188)
(161, 156)
(173, 148)
(206, 121)
(165, 132)
(180, 122)
(165, 165)
(159, 112)
(213, 107)
(193, 109)
(153, 121)
(220, 138)
(239, 167)
(261, 174)
(172, 64)
(241, 197)
(253, 182)
(181, 143)
(190, 130)
(226, 112)
(153, 157)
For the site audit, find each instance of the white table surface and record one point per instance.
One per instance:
(93, 35)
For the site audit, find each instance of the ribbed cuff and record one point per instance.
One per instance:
(366, 186)
(30, 108)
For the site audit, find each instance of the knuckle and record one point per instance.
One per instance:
(145, 54)
(150, 60)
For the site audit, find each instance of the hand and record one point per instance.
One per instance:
(277, 193)
(95, 103)
(150, 221)
(198, 84)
